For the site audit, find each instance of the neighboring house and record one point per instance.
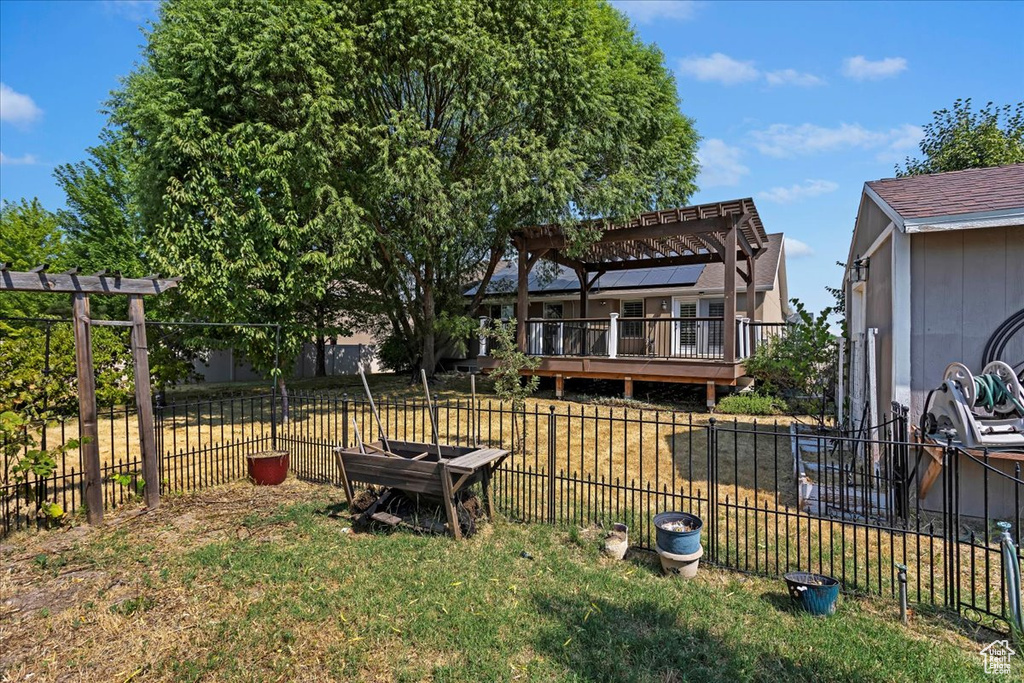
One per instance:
(661, 323)
(936, 263)
(342, 356)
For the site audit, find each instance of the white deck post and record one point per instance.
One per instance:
(483, 336)
(613, 335)
(742, 337)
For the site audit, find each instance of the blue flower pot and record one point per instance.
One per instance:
(678, 542)
(815, 593)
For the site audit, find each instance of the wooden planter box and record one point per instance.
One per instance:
(419, 471)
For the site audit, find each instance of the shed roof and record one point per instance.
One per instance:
(954, 193)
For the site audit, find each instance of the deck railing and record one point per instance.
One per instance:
(615, 337)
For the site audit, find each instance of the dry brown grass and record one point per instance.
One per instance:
(248, 583)
(661, 456)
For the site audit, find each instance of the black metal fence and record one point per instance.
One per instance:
(848, 506)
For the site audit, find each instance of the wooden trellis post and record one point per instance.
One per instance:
(80, 287)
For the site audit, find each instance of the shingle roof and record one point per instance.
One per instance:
(711, 276)
(956, 192)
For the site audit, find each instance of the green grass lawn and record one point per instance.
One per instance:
(246, 584)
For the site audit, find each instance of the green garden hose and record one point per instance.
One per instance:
(991, 391)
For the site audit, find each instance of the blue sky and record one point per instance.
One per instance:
(798, 103)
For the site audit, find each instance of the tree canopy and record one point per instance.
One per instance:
(31, 237)
(313, 162)
(960, 138)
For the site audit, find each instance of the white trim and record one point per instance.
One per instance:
(900, 318)
(967, 221)
(873, 397)
(892, 213)
(879, 241)
(677, 341)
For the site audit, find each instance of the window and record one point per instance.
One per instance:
(716, 331)
(687, 328)
(502, 311)
(553, 311)
(632, 329)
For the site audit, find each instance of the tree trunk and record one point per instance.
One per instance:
(321, 356)
(429, 359)
(320, 364)
(284, 399)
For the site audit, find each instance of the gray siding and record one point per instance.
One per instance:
(964, 284)
(871, 222)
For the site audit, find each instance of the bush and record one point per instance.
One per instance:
(751, 404)
(801, 362)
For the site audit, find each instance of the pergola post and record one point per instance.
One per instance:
(80, 287)
(729, 324)
(88, 434)
(144, 401)
(522, 295)
(751, 302)
(581, 275)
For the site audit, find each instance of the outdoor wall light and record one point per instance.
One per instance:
(859, 273)
(664, 304)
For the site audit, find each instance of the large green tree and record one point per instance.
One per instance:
(30, 236)
(101, 223)
(303, 160)
(237, 121)
(962, 138)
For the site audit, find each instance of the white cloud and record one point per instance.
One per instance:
(797, 249)
(24, 160)
(719, 164)
(793, 193)
(793, 77)
(648, 11)
(719, 67)
(17, 108)
(784, 140)
(860, 68)
(728, 71)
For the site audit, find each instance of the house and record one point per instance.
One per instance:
(935, 265)
(657, 298)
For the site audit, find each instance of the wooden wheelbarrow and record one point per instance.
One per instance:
(419, 469)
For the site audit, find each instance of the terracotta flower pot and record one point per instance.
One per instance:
(268, 468)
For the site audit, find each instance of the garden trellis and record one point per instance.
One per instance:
(80, 287)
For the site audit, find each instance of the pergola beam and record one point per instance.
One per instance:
(640, 232)
(683, 260)
(70, 283)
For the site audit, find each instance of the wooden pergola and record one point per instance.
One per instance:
(80, 287)
(725, 232)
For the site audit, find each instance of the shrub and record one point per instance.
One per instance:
(801, 362)
(751, 404)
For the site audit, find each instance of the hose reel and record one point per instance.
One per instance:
(997, 389)
(984, 411)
